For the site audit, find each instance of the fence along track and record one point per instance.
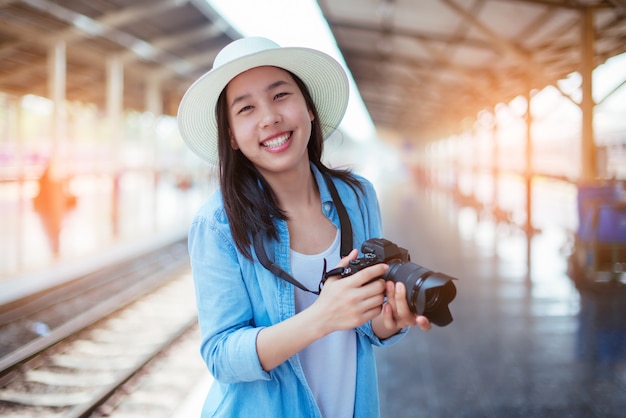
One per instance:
(76, 375)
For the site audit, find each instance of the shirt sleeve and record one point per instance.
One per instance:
(224, 310)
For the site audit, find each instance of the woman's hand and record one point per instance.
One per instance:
(351, 301)
(396, 313)
(343, 303)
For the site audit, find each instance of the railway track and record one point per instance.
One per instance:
(74, 352)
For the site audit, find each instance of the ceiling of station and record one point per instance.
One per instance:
(427, 67)
(170, 42)
(422, 67)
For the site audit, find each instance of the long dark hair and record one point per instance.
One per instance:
(249, 201)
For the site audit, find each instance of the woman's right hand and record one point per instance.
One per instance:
(343, 303)
(351, 301)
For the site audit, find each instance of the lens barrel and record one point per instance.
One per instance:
(428, 293)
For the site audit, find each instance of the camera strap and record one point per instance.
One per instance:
(345, 228)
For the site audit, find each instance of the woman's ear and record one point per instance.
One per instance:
(311, 116)
(233, 142)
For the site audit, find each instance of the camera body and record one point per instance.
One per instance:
(376, 251)
(428, 293)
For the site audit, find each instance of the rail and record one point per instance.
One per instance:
(104, 329)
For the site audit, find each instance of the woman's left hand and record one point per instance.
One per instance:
(396, 313)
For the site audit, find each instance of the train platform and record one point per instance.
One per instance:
(110, 219)
(525, 342)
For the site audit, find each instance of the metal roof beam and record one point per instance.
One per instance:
(521, 56)
(620, 4)
(468, 79)
(420, 36)
(204, 8)
(568, 4)
(85, 26)
(166, 42)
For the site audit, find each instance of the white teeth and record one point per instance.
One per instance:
(276, 142)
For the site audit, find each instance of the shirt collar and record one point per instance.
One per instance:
(325, 195)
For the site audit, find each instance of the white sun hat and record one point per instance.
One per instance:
(323, 75)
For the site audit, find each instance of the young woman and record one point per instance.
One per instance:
(277, 342)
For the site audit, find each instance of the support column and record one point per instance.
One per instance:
(15, 122)
(56, 90)
(53, 199)
(154, 105)
(588, 146)
(529, 186)
(115, 106)
(495, 153)
(154, 97)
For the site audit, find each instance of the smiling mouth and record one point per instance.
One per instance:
(277, 142)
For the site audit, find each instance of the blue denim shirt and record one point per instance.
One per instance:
(236, 298)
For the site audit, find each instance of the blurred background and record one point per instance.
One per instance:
(506, 118)
(453, 93)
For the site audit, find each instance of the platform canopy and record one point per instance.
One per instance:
(426, 67)
(167, 42)
(421, 66)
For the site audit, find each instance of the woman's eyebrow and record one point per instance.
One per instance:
(275, 84)
(270, 87)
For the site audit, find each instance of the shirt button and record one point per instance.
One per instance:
(327, 207)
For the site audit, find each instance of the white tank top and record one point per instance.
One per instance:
(329, 363)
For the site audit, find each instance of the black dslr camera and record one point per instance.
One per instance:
(428, 293)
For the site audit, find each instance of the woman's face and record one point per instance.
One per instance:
(269, 119)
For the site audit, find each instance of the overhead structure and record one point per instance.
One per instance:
(426, 68)
(156, 44)
(423, 68)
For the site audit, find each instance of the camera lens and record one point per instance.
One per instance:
(428, 293)
(432, 300)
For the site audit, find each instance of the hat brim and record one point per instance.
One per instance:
(323, 75)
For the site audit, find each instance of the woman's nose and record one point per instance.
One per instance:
(271, 116)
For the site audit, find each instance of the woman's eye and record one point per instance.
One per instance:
(245, 108)
(280, 95)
